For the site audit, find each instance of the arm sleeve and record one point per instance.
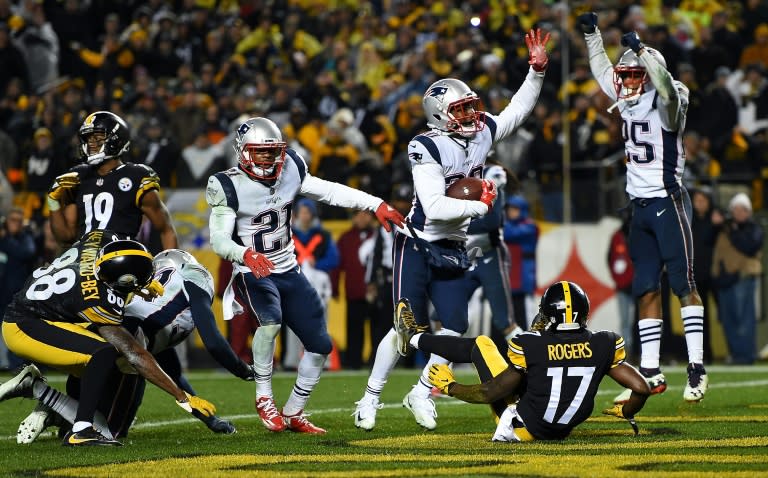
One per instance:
(429, 183)
(222, 223)
(337, 194)
(673, 95)
(599, 63)
(215, 344)
(520, 106)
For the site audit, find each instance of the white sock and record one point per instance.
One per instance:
(66, 406)
(385, 361)
(423, 387)
(310, 368)
(80, 426)
(415, 340)
(263, 348)
(693, 324)
(650, 342)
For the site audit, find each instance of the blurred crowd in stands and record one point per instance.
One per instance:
(344, 81)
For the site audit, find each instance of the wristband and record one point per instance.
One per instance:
(53, 205)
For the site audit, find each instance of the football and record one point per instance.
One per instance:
(466, 188)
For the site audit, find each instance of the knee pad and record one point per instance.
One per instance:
(267, 332)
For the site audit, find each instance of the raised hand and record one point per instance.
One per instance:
(632, 40)
(587, 22)
(537, 49)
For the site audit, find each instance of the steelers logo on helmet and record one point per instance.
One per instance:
(565, 305)
(124, 266)
(260, 149)
(452, 107)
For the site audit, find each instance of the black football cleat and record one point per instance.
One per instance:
(88, 437)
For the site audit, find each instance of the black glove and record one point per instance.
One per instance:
(246, 372)
(632, 40)
(587, 22)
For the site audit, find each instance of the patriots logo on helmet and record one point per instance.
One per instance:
(437, 91)
(243, 129)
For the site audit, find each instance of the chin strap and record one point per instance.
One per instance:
(623, 100)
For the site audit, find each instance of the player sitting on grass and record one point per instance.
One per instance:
(556, 368)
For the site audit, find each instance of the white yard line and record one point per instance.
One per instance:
(440, 401)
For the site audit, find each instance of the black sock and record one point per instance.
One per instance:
(455, 349)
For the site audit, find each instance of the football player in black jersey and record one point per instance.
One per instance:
(105, 192)
(555, 370)
(69, 316)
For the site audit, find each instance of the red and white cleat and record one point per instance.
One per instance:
(298, 423)
(269, 414)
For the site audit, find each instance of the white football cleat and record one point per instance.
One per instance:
(697, 383)
(34, 424)
(423, 410)
(365, 413)
(21, 384)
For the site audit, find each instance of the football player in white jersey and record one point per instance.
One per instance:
(653, 109)
(250, 225)
(165, 321)
(430, 255)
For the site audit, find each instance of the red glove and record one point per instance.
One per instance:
(537, 50)
(386, 214)
(257, 263)
(489, 193)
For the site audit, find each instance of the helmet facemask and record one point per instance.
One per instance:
(630, 82)
(465, 117)
(262, 161)
(103, 135)
(260, 149)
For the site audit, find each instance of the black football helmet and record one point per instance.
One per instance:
(564, 305)
(124, 266)
(117, 137)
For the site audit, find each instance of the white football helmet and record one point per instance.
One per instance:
(175, 258)
(452, 107)
(260, 148)
(630, 68)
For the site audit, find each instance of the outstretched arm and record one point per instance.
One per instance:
(142, 361)
(629, 377)
(497, 388)
(599, 63)
(214, 342)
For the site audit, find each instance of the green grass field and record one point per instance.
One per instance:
(726, 435)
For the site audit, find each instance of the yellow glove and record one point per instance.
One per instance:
(153, 290)
(618, 412)
(64, 188)
(441, 376)
(197, 406)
